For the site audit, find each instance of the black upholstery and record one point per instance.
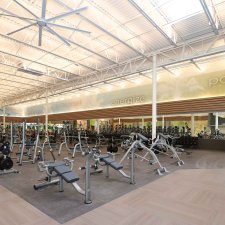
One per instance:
(52, 165)
(103, 156)
(66, 173)
(70, 177)
(115, 165)
(62, 169)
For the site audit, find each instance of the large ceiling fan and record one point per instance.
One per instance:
(42, 22)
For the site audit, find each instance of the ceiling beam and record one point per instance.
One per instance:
(198, 45)
(26, 9)
(195, 64)
(16, 75)
(103, 30)
(168, 70)
(58, 56)
(29, 79)
(149, 19)
(42, 64)
(13, 86)
(209, 16)
(19, 82)
(50, 53)
(112, 35)
(93, 52)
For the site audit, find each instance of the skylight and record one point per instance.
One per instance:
(176, 10)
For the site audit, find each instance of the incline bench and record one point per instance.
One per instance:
(64, 173)
(115, 165)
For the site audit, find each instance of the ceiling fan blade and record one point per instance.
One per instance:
(19, 17)
(13, 14)
(25, 8)
(22, 28)
(56, 34)
(70, 28)
(67, 13)
(43, 10)
(40, 35)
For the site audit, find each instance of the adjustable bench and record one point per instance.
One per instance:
(65, 173)
(109, 161)
(62, 171)
(115, 165)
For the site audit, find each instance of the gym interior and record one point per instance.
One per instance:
(112, 112)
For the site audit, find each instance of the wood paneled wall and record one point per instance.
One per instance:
(165, 108)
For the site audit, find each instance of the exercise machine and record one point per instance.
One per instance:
(160, 145)
(108, 161)
(138, 141)
(60, 171)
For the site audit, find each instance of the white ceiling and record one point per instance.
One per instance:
(123, 37)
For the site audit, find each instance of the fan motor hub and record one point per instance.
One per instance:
(41, 22)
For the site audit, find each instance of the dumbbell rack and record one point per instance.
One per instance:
(12, 170)
(6, 162)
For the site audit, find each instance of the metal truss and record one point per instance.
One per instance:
(50, 53)
(53, 54)
(211, 16)
(153, 23)
(53, 72)
(114, 19)
(104, 30)
(139, 66)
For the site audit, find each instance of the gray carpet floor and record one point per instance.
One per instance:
(64, 206)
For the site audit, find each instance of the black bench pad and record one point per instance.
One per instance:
(103, 156)
(70, 177)
(115, 165)
(52, 165)
(62, 169)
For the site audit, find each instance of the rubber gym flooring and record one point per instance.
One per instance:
(68, 205)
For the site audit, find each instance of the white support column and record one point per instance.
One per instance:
(163, 122)
(217, 120)
(46, 111)
(4, 119)
(142, 122)
(119, 121)
(192, 125)
(154, 97)
(97, 126)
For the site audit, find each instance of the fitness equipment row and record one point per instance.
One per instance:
(162, 145)
(60, 171)
(136, 141)
(33, 151)
(80, 146)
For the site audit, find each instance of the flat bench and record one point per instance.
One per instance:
(66, 173)
(111, 162)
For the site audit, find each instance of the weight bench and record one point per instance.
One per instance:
(109, 161)
(62, 171)
(65, 173)
(115, 165)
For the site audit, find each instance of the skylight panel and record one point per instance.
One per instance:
(176, 10)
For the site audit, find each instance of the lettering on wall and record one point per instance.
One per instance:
(129, 100)
(214, 81)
